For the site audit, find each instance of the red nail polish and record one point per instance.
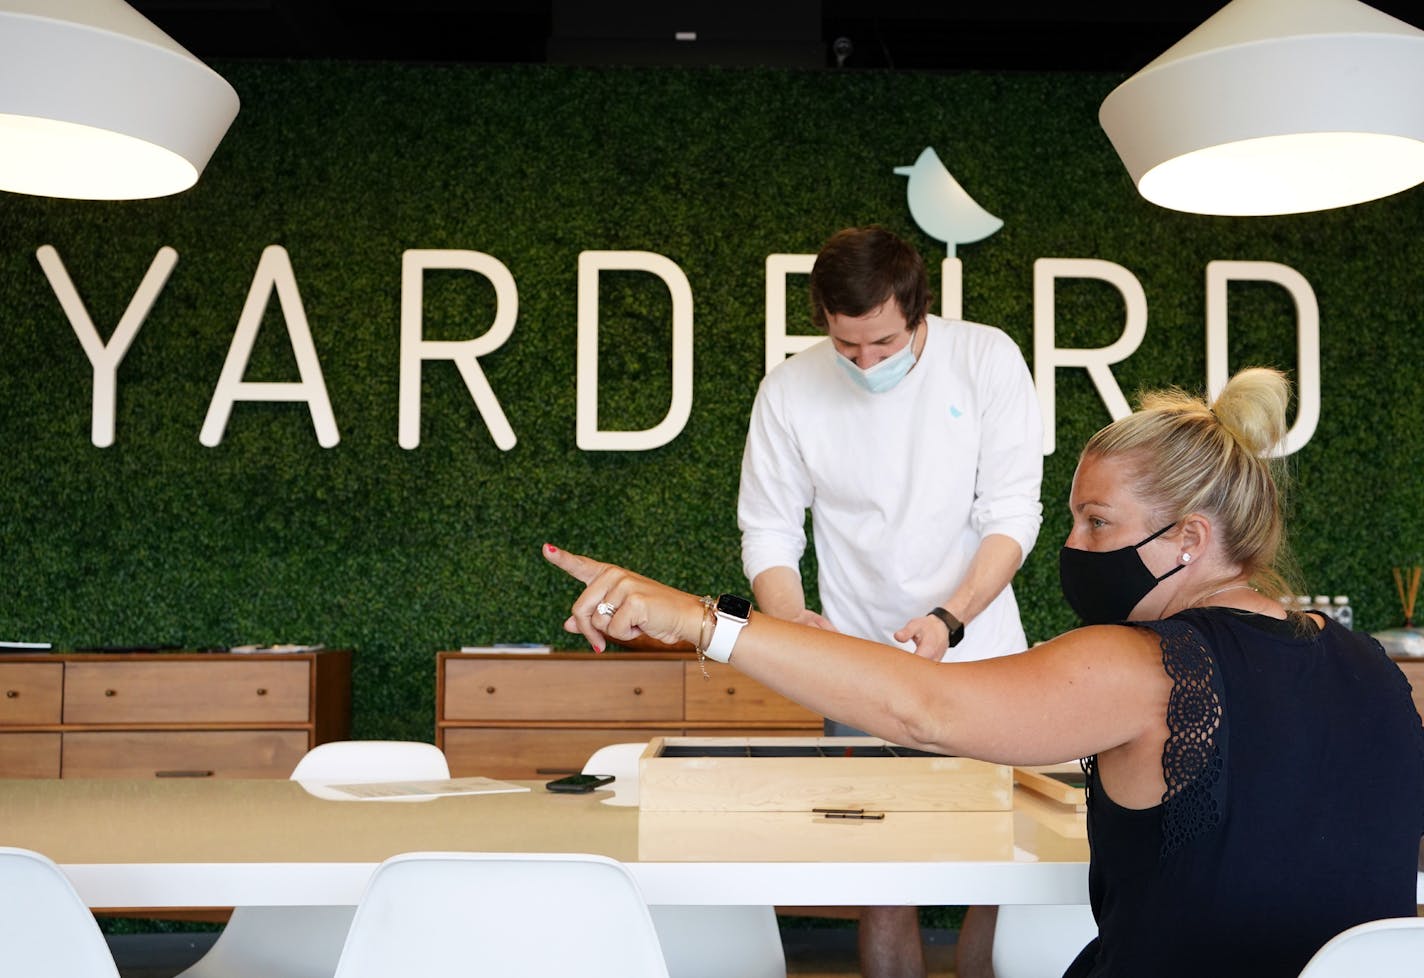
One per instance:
(551, 548)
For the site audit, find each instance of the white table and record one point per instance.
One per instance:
(189, 844)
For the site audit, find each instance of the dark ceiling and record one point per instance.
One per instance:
(1094, 35)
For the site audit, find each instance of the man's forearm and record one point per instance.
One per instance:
(990, 571)
(778, 592)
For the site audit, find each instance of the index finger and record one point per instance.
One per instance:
(580, 568)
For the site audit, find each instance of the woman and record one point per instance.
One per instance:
(1256, 777)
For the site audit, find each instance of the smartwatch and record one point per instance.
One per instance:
(732, 613)
(955, 626)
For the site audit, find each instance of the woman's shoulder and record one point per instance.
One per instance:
(1290, 630)
(1122, 646)
(1157, 634)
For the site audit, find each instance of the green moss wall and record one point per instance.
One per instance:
(398, 553)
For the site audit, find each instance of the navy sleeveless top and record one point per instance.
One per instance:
(1294, 765)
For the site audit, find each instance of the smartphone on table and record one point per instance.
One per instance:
(579, 783)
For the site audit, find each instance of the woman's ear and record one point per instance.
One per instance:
(1195, 537)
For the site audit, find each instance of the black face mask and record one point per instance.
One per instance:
(1104, 586)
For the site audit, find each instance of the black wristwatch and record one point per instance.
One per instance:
(955, 626)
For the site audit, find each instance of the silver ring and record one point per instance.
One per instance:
(605, 608)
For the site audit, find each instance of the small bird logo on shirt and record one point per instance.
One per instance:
(954, 412)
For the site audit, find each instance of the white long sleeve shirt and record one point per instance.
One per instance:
(902, 485)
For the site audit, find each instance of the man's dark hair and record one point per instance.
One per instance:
(858, 269)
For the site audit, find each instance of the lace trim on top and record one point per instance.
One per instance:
(1192, 762)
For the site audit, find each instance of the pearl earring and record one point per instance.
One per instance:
(1186, 558)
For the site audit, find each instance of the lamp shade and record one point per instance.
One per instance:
(1276, 107)
(98, 103)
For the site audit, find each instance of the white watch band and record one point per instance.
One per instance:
(724, 636)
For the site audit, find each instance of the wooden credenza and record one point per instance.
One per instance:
(535, 716)
(161, 714)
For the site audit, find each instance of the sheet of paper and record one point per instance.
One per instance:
(519, 648)
(426, 789)
(277, 648)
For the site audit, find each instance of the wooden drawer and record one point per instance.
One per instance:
(30, 692)
(609, 690)
(29, 755)
(501, 752)
(187, 692)
(813, 730)
(730, 697)
(182, 753)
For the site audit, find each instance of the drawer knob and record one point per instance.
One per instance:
(11, 693)
(261, 691)
(490, 690)
(637, 690)
(111, 692)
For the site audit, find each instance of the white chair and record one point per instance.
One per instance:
(305, 942)
(621, 761)
(372, 760)
(698, 942)
(1392, 948)
(1040, 941)
(359, 761)
(445, 913)
(720, 942)
(46, 931)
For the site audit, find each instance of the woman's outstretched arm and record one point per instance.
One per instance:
(1089, 691)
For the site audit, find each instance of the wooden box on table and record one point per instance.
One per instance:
(780, 797)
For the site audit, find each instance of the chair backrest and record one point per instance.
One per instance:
(372, 760)
(1040, 941)
(46, 931)
(720, 942)
(621, 761)
(698, 942)
(440, 913)
(1391, 948)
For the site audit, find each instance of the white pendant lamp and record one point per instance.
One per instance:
(97, 103)
(1276, 107)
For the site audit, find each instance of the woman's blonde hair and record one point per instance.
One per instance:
(1186, 456)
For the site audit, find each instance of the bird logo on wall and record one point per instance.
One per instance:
(941, 207)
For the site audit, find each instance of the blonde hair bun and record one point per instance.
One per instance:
(1252, 406)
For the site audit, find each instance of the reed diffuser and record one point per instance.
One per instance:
(1408, 588)
(1407, 642)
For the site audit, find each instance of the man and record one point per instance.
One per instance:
(916, 443)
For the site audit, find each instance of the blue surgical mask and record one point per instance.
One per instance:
(884, 375)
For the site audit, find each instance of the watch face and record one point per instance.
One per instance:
(734, 606)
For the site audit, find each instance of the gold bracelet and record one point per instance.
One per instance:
(704, 634)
